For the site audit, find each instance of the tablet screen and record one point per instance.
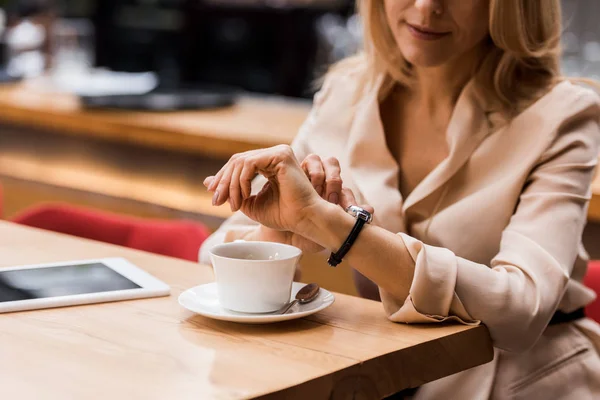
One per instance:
(66, 280)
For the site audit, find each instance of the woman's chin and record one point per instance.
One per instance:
(422, 59)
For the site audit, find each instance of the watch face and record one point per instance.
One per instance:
(358, 212)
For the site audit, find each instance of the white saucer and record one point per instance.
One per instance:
(203, 300)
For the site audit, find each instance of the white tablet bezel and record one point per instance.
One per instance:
(149, 286)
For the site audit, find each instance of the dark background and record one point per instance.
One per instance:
(268, 46)
(254, 45)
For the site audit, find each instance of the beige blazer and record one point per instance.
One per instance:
(494, 230)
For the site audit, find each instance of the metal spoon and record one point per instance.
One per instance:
(305, 295)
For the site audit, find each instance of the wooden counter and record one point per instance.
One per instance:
(155, 349)
(253, 123)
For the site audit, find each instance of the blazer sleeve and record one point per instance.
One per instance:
(517, 294)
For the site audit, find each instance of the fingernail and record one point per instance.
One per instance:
(215, 198)
(333, 198)
(319, 190)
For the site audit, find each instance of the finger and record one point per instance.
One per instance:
(313, 168)
(347, 199)
(222, 189)
(367, 207)
(247, 175)
(235, 192)
(219, 175)
(246, 186)
(217, 178)
(208, 180)
(267, 162)
(333, 180)
(251, 205)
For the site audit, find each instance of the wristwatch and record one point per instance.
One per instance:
(362, 217)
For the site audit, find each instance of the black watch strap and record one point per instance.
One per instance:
(336, 258)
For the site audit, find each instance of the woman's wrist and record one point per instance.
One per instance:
(326, 224)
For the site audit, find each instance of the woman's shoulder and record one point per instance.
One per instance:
(334, 107)
(567, 99)
(567, 117)
(352, 68)
(575, 89)
(559, 111)
(347, 81)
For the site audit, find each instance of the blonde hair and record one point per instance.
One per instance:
(522, 54)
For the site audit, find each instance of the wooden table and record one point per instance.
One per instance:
(154, 348)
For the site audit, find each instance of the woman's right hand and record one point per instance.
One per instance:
(324, 175)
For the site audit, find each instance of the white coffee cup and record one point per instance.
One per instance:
(254, 277)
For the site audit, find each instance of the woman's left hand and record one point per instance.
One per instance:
(285, 200)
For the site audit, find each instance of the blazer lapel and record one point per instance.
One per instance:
(371, 165)
(375, 171)
(468, 126)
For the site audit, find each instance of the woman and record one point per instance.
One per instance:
(456, 127)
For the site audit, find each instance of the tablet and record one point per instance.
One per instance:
(30, 287)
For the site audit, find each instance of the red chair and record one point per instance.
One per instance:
(179, 239)
(592, 280)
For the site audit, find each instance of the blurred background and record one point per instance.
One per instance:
(116, 110)
(581, 38)
(266, 46)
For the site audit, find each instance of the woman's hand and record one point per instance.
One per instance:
(284, 201)
(325, 177)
